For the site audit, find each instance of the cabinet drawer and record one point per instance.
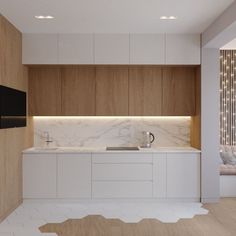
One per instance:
(122, 189)
(122, 158)
(122, 171)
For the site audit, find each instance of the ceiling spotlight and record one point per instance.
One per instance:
(172, 17)
(168, 18)
(163, 17)
(44, 17)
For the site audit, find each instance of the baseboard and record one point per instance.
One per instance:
(117, 200)
(210, 200)
(6, 214)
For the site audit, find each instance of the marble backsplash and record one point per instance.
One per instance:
(110, 131)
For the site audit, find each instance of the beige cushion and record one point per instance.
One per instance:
(227, 169)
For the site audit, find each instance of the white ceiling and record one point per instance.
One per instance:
(113, 16)
(230, 46)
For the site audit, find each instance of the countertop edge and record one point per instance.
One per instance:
(73, 151)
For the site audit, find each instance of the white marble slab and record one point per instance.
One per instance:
(36, 150)
(111, 131)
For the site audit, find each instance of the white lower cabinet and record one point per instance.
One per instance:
(183, 175)
(122, 175)
(122, 189)
(111, 175)
(74, 176)
(39, 176)
(159, 175)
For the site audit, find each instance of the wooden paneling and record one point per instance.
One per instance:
(145, 91)
(13, 166)
(78, 91)
(12, 141)
(195, 134)
(112, 91)
(178, 91)
(11, 70)
(2, 171)
(44, 91)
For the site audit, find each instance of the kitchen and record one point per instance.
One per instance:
(107, 116)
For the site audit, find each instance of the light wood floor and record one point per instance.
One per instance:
(221, 221)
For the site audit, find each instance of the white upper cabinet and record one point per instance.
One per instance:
(76, 49)
(155, 49)
(40, 49)
(147, 49)
(183, 49)
(111, 48)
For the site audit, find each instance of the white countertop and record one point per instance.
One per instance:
(38, 150)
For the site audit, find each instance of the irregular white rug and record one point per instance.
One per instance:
(27, 218)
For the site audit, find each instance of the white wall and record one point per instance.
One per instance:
(222, 30)
(210, 124)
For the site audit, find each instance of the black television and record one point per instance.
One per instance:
(12, 108)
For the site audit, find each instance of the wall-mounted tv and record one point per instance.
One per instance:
(12, 108)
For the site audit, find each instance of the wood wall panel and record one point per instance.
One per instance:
(178, 91)
(195, 131)
(78, 91)
(112, 91)
(44, 91)
(12, 141)
(145, 91)
(2, 171)
(11, 70)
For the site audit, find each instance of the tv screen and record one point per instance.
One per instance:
(12, 108)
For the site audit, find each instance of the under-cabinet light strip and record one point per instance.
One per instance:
(113, 117)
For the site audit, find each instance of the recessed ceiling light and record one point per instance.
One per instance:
(44, 17)
(163, 17)
(168, 18)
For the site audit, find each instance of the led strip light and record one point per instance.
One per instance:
(228, 97)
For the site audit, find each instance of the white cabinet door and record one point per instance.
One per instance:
(76, 49)
(122, 189)
(183, 49)
(74, 176)
(39, 176)
(159, 175)
(183, 175)
(40, 49)
(147, 49)
(111, 48)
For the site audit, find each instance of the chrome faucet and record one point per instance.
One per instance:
(48, 138)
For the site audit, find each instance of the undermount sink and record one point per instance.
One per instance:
(45, 148)
(122, 149)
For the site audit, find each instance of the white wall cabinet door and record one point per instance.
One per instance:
(76, 49)
(111, 48)
(74, 176)
(159, 175)
(39, 176)
(147, 49)
(183, 175)
(40, 49)
(183, 49)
